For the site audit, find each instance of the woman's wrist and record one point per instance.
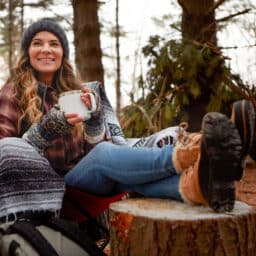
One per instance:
(94, 130)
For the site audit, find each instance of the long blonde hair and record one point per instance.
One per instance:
(25, 86)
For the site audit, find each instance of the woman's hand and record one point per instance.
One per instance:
(73, 118)
(94, 128)
(52, 125)
(85, 97)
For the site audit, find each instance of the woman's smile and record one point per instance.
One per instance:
(46, 60)
(45, 55)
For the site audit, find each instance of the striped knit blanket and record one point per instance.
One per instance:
(30, 186)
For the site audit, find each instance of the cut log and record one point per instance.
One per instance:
(157, 227)
(246, 187)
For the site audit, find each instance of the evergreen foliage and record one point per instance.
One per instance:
(179, 72)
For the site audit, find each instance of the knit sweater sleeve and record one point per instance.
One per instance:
(51, 126)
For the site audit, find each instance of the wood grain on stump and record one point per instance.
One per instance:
(156, 227)
(246, 187)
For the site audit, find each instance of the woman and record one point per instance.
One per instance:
(28, 104)
(39, 139)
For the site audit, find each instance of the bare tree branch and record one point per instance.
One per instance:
(241, 90)
(215, 6)
(163, 87)
(233, 15)
(238, 47)
(144, 112)
(69, 21)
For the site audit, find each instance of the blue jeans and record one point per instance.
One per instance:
(110, 168)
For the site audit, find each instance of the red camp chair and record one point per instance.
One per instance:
(78, 205)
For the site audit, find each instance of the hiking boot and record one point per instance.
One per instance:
(189, 186)
(211, 179)
(243, 117)
(186, 149)
(187, 146)
(220, 159)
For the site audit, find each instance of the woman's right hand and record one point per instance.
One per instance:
(54, 124)
(73, 118)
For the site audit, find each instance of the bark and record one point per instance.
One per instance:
(246, 187)
(88, 54)
(10, 35)
(118, 73)
(198, 24)
(158, 227)
(21, 17)
(198, 21)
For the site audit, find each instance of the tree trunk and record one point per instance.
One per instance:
(198, 24)
(10, 34)
(246, 187)
(158, 227)
(21, 17)
(198, 21)
(118, 75)
(88, 55)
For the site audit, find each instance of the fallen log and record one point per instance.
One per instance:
(161, 227)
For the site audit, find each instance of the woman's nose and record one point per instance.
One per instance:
(46, 47)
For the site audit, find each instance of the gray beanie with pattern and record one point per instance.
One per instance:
(49, 25)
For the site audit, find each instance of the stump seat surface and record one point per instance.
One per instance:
(173, 210)
(162, 227)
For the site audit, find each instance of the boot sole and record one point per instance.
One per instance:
(243, 117)
(219, 161)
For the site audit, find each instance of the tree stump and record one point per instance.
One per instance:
(157, 227)
(246, 187)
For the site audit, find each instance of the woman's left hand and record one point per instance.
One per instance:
(87, 100)
(73, 118)
(85, 97)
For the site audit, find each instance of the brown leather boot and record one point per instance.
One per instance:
(186, 150)
(211, 179)
(189, 185)
(243, 117)
(187, 146)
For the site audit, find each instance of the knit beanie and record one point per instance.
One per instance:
(49, 25)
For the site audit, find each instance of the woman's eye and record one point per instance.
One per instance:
(36, 43)
(55, 44)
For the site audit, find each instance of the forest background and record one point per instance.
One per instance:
(160, 62)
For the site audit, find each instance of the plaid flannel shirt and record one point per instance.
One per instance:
(64, 152)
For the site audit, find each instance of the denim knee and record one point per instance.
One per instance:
(103, 148)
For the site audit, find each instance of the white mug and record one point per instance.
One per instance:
(70, 102)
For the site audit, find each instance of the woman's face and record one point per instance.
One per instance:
(45, 55)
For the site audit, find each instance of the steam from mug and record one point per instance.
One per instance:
(70, 102)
